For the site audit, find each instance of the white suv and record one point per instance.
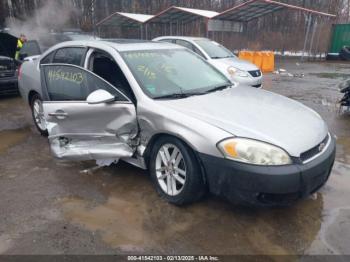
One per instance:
(237, 70)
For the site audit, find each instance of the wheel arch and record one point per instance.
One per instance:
(155, 137)
(30, 96)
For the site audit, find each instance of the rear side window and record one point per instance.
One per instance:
(47, 59)
(189, 46)
(69, 55)
(167, 40)
(184, 44)
(30, 48)
(71, 83)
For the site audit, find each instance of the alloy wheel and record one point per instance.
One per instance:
(170, 169)
(38, 114)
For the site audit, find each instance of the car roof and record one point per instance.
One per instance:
(189, 38)
(120, 44)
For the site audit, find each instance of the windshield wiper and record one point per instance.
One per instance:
(173, 96)
(184, 95)
(218, 88)
(220, 57)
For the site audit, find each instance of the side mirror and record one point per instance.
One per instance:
(100, 96)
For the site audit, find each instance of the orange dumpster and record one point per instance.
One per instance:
(242, 55)
(258, 59)
(268, 64)
(246, 55)
(264, 60)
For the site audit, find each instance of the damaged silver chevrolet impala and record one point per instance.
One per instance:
(163, 108)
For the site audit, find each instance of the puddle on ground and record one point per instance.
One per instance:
(10, 138)
(128, 219)
(343, 149)
(134, 218)
(334, 235)
(5, 243)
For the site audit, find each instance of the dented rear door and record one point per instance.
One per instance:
(82, 131)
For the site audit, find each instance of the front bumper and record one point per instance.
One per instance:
(8, 85)
(267, 185)
(250, 81)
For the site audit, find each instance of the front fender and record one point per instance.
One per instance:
(158, 119)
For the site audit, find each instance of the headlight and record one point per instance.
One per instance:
(253, 152)
(237, 72)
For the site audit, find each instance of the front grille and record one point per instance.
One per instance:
(315, 150)
(7, 73)
(6, 65)
(255, 73)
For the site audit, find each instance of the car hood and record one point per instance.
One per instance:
(257, 114)
(224, 63)
(8, 45)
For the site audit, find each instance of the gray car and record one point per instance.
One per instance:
(237, 70)
(160, 107)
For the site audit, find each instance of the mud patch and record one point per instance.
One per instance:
(14, 114)
(5, 243)
(118, 221)
(338, 233)
(334, 235)
(133, 218)
(121, 222)
(10, 138)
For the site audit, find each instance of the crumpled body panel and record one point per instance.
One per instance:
(91, 132)
(92, 149)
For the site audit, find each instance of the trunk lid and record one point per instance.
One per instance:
(8, 45)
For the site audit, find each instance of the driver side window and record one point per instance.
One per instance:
(103, 65)
(71, 83)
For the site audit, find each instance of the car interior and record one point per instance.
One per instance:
(104, 66)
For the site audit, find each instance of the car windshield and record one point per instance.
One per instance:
(214, 49)
(173, 73)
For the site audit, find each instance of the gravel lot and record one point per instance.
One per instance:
(52, 207)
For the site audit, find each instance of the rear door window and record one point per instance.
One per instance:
(69, 55)
(47, 59)
(189, 46)
(168, 40)
(184, 44)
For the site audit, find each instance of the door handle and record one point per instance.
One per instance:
(59, 114)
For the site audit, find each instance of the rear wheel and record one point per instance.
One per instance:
(38, 114)
(175, 172)
(345, 53)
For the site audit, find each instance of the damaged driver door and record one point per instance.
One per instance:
(86, 117)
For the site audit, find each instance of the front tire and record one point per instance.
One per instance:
(38, 114)
(175, 171)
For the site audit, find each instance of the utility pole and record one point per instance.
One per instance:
(93, 20)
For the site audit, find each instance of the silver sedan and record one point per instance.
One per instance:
(160, 107)
(237, 70)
